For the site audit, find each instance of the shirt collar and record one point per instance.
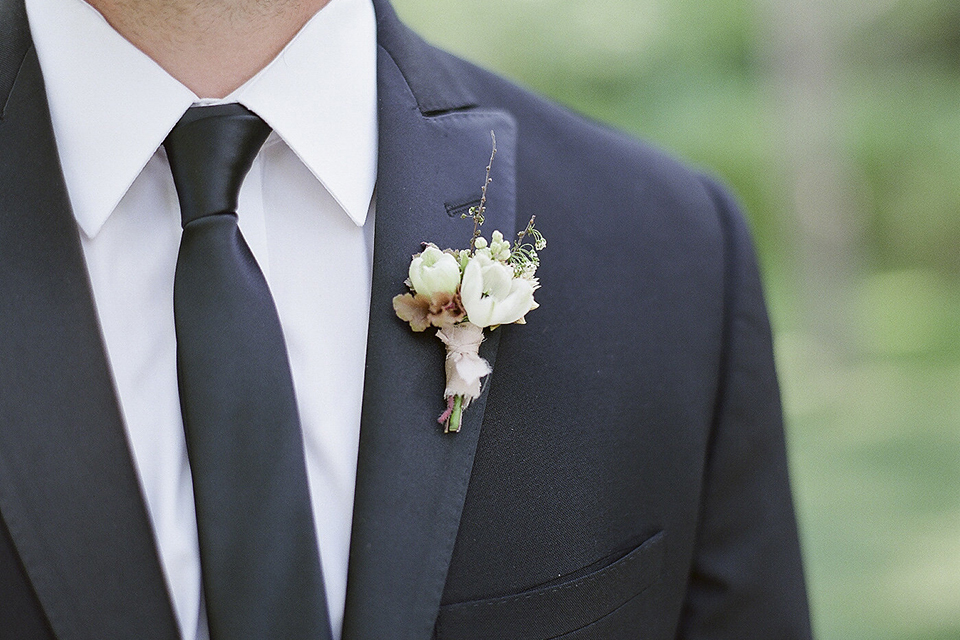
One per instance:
(112, 106)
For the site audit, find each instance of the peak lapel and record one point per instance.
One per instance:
(68, 490)
(412, 478)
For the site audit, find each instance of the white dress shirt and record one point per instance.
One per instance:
(305, 210)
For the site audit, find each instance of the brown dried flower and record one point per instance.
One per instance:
(439, 310)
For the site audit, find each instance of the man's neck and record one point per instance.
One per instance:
(211, 46)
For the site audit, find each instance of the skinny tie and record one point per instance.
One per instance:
(258, 550)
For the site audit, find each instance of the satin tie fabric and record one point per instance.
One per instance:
(258, 552)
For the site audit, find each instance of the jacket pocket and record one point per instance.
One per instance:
(550, 611)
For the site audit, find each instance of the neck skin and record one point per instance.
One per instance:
(211, 46)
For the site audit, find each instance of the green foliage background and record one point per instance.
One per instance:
(791, 101)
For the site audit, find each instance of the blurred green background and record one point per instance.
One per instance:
(837, 123)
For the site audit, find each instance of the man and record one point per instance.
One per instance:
(623, 473)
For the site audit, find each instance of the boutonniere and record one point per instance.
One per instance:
(462, 292)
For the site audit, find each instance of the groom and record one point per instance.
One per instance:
(623, 472)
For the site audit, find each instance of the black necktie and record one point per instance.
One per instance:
(258, 551)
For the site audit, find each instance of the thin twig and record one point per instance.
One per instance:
(526, 230)
(478, 214)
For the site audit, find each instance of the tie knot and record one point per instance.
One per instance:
(210, 151)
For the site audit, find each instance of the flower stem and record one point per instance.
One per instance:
(453, 424)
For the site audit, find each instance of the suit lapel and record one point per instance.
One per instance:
(412, 478)
(68, 490)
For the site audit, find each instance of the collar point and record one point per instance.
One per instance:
(89, 222)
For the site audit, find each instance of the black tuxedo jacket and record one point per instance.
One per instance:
(622, 476)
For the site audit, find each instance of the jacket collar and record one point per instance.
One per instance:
(428, 73)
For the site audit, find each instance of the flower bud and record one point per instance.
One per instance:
(434, 271)
(499, 248)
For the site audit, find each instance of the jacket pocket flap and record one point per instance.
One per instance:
(556, 609)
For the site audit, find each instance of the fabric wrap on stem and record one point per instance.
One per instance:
(463, 365)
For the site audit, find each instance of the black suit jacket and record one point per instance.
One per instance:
(622, 475)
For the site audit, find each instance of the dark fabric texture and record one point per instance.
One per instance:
(622, 475)
(20, 612)
(258, 552)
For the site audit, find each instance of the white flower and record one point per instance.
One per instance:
(434, 271)
(491, 295)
